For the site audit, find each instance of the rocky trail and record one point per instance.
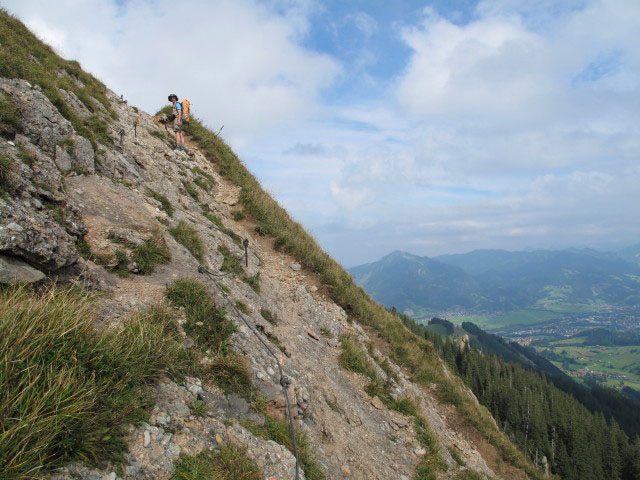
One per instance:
(66, 191)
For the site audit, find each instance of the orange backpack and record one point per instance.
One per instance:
(186, 110)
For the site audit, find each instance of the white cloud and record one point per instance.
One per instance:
(518, 129)
(238, 61)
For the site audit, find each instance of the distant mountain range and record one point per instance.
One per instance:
(499, 280)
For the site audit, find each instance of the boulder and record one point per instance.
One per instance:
(13, 271)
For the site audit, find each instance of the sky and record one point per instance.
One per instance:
(432, 127)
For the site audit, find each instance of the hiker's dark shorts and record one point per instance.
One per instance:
(177, 127)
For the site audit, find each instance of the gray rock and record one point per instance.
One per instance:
(13, 270)
(62, 159)
(296, 267)
(83, 156)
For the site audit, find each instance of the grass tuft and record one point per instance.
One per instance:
(10, 118)
(6, 167)
(157, 134)
(269, 316)
(189, 238)
(164, 202)
(354, 358)
(67, 144)
(229, 463)
(277, 429)
(193, 193)
(206, 323)
(66, 390)
(150, 254)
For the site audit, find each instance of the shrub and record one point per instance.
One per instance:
(237, 216)
(66, 390)
(164, 202)
(189, 238)
(229, 463)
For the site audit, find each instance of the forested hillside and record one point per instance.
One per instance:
(545, 421)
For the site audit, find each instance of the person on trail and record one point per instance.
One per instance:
(176, 113)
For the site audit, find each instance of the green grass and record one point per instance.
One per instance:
(165, 204)
(230, 462)
(238, 216)
(23, 55)
(67, 144)
(193, 193)
(206, 323)
(353, 358)
(218, 223)
(203, 183)
(25, 154)
(198, 407)
(83, 248)
(269, 316)
(411, 351)
(230, 263)
(189, 238)
(67, 390)
(326, 332)
(150, 254)
(6, 167)
(10, 117)
(122, 264)
(209, 178)
(242, 307)
(211, 330)
(277, 429)
(455, 454)
(157, 134)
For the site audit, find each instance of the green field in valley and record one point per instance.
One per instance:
(576, 359)
(508, 319)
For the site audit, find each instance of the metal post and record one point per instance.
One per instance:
(245, 242)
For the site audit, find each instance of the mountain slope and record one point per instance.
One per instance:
(497, 280)
(405, 280)
(133, 220)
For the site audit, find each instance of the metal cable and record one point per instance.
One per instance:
(284, 380)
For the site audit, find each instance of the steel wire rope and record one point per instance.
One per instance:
(284, 380)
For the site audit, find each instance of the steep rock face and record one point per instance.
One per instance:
(61, 192)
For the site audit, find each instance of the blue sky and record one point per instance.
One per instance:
(428, 126)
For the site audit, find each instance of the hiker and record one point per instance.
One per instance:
(176, 114)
